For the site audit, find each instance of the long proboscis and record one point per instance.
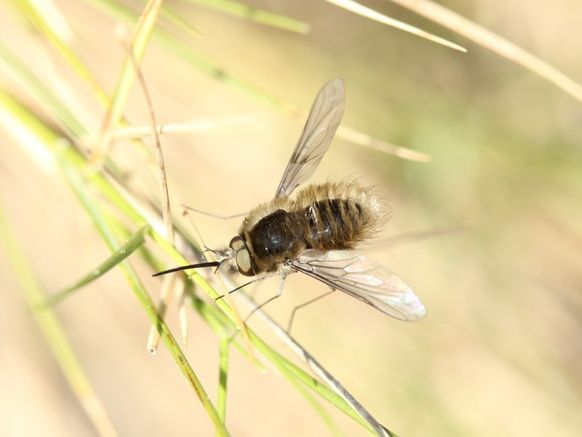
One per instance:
(189, 266)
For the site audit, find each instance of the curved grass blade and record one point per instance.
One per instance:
(478, 34)
(370, 13)
(54, 334)
(254, 14)
(126, 249)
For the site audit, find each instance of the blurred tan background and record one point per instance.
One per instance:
(500, 350)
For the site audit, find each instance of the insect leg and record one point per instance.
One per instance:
(304, 304)
(211, 214)
(272, 298)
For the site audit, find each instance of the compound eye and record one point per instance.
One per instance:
(243, 261)
(237, 243)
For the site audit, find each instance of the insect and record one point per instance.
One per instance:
(317, 231)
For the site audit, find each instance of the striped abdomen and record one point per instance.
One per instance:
(334, 224)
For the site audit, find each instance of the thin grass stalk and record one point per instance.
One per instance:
(490, 40)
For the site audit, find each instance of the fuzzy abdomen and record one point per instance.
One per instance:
(334, 224)
(329, 224)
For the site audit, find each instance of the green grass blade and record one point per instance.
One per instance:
(54, 334)
(126, 249)
(253, 14)
(223, 360)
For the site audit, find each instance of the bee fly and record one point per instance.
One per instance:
(316, 231)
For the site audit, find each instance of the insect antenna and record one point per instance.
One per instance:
(189, 266)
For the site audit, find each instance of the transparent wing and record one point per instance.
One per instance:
(363, 279)
(324, 118)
